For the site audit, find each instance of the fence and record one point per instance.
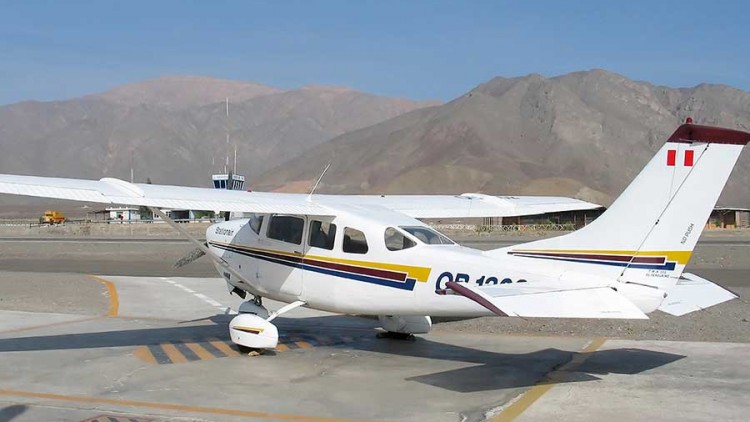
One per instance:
(36, 223)
(481, 228)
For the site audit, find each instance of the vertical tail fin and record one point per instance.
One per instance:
(649, 232)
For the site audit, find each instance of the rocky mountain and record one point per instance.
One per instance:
(583, 134)
(172, 130)
(184, 91)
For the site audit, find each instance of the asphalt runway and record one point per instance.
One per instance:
(147, 342)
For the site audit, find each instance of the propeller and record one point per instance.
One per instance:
(195, 254)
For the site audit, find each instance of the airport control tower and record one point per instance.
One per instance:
(229, 179)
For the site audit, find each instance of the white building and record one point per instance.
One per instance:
(123, 213)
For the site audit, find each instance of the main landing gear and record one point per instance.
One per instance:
(404, 327)
(396, 336)
(252, 327)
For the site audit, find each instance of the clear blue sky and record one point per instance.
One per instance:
(417, 49)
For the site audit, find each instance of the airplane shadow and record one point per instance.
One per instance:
(11, 412)
(524, 370)
(485, 370)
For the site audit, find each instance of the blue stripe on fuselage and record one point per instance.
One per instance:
(407, 285)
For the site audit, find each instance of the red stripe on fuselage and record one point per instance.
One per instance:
(617, 258)
(374, 272)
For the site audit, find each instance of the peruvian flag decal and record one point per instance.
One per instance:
(688, 159)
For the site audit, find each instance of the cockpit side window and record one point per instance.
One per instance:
(428, 235)
(354, 241)
(255, 222)
(322, 235)
(286, 229)
(396, 241)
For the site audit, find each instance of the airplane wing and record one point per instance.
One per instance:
(578, 301)
(115, 191)
(470, 205)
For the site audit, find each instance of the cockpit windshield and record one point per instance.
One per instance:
(428, 235)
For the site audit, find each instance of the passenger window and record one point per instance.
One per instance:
(354, 241)
(255, 222)
(322, 234)
(396, 241)
(286, 228)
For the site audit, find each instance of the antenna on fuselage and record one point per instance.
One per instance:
(309, 197)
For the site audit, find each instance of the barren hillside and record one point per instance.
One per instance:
(584, 134)
(173, 129)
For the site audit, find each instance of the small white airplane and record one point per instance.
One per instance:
(369, 255)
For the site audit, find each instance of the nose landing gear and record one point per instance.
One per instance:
(252, 327)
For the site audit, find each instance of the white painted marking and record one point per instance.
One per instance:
(201, 296)
(208, 300)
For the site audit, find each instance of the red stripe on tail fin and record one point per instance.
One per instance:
(689, 158)
(671, 157)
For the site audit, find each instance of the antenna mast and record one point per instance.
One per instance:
(226, 129)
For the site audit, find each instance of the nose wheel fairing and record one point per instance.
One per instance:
(252, 327)
(252, 331)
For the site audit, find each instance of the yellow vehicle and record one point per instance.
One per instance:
(52, 217)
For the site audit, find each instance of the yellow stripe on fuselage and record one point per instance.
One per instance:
(421, 274)
(681, 257)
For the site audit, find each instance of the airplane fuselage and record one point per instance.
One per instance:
(375, 281)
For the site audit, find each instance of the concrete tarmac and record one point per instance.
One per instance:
(75, 347)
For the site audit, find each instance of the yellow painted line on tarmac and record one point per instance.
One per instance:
(224, 348)
(303, 344)
(200, 351)
(213, 348)
(114, 300)
(170, 406)
(174, 355)
(281, 347)
(525, 400)
(144, 354)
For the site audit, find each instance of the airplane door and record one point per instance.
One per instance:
(282, 250)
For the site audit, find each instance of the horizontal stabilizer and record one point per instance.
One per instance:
(595, 302)
(693, 293)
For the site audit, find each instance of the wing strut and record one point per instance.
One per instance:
(285, 309)
(202, 246)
